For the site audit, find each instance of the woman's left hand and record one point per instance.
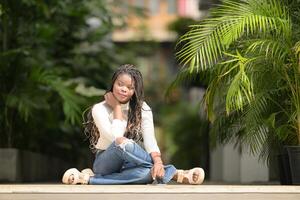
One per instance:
(157, 171)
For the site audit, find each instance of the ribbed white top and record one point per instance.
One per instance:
(110, 128)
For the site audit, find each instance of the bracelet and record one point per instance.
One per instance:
(156, 155)
(155, 158)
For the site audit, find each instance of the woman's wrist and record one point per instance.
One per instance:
(156, 157)
(117, 106)
(117, 112)
(158, 163)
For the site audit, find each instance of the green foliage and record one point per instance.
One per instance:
(186, 133)
(181, 25)
(249, 52)
(55, 55)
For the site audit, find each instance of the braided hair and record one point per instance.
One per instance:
(133, 129)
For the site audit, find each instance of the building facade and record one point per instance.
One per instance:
(157, 15)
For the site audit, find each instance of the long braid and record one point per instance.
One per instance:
(133, 130)
(90, 129)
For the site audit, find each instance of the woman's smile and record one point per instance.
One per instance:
(123, 95)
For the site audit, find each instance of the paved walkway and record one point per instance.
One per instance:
(151, 192)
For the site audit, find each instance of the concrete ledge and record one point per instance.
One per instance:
(26, 166)
(132, 192)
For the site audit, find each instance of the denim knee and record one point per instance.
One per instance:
(126, 145)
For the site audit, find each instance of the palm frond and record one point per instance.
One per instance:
(226, 128)
(209, 98)
(240, 90)
(206, 42)
(297, 49)
(270, 48)
(256, 131)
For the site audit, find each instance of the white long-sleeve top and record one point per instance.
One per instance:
(110, 128)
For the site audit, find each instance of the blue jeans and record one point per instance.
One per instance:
(127, 163)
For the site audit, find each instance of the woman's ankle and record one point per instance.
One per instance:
(175, 176)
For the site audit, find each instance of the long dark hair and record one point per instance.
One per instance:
(133, 129)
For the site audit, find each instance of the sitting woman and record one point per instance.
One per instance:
(122, 135)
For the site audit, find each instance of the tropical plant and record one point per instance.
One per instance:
(248, 52)
(51, 52)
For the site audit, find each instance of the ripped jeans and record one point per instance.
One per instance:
(126, 163)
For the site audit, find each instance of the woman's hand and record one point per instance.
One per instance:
(111, 100)
(157, 171)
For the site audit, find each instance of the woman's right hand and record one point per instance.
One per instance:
(157, 171)
(111, 100)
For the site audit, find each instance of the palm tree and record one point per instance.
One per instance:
(248, 52)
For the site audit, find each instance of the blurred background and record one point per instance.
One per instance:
(57, 58)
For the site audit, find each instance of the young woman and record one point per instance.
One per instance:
(122, 134)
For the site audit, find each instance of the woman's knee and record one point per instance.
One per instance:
(120, 140)
(124, 143)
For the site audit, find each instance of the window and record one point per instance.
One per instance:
(172, 6)
(154, 6)
(125, 7)
(140, 3)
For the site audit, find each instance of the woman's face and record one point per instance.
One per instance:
(123, 88)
